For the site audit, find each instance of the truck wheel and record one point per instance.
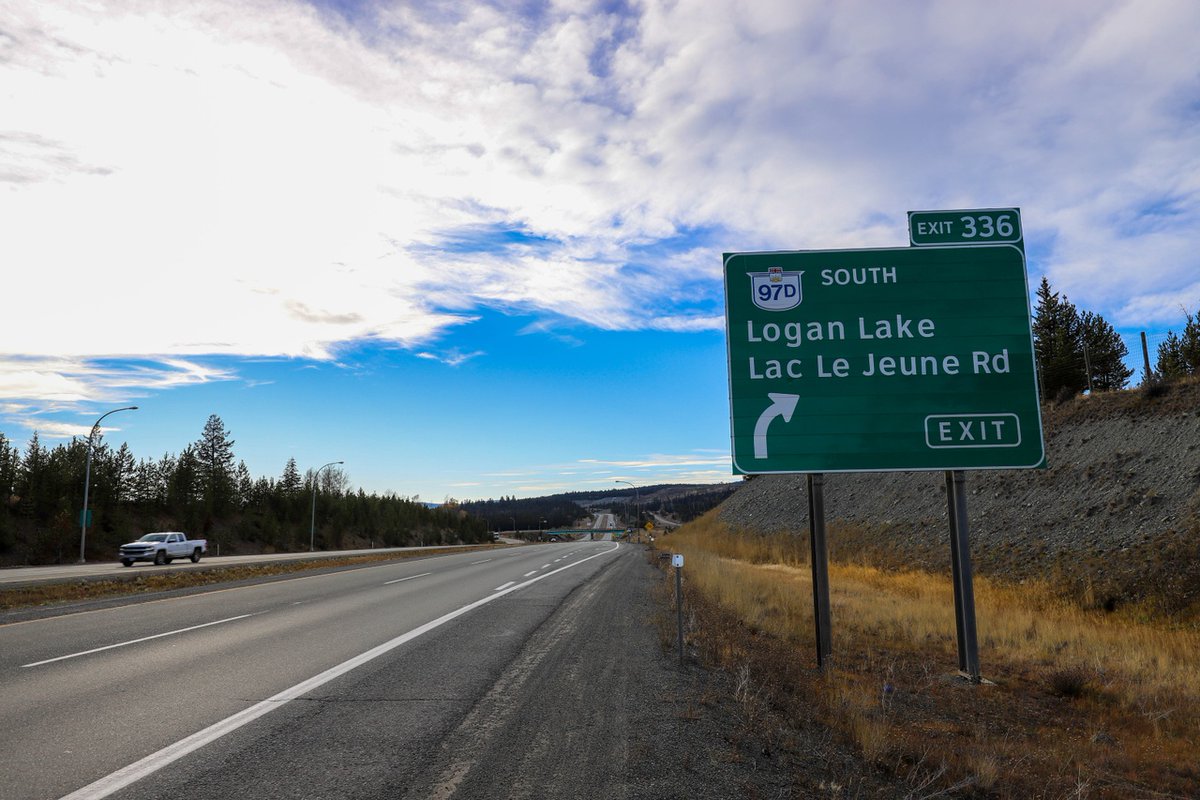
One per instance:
(196, 556)
(127, 562)
(160, 557)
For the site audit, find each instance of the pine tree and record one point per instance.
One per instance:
(10, 462)
(183, 487)
(123, 470)
(164, 477)
(214, 456)
(1105, 352)
(290, 483)
(32, 475)
(1057, 340)
(1179, 355)
(1170, 364)
(245, 484)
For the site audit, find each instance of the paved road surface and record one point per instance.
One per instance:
(470, 675)
(19, 576)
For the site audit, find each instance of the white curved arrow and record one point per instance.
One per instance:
(782, 405)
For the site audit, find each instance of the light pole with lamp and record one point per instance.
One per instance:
(312, 530)
(637, 502)
(87, 479)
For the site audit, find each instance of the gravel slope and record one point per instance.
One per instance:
(1115, 515)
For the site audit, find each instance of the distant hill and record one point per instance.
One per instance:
(679, 501)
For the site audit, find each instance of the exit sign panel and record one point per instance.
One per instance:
(968, 227)
(917, 358)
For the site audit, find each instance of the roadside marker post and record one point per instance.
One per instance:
(677, 563)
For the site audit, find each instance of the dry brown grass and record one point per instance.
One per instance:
(84, 590)
(1084, 703)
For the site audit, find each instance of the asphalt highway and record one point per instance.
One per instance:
(369, 682)
(23, 576)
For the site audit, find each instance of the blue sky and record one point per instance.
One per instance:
(474, 249)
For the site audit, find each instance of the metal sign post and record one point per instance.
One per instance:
(820, 568)
(964, 587)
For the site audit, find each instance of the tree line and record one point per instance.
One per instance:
(204, 490)
(1079, 350)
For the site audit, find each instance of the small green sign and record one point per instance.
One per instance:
(973, 226)
(81, 520)
(915, 358)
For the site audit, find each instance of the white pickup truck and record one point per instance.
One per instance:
(163, 548)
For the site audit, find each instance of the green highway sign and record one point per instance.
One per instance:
(915, 358)
(970, 227)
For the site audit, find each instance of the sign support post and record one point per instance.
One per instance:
(819, 564)
(959, 635)
(964, 587)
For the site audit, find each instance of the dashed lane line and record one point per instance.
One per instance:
(409, 578)
(136, 641)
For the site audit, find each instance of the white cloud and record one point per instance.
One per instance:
(673, 461)
(451, 358)
(261, 180)
(70, 381)
(48, 429)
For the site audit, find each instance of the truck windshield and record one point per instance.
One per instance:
(153, 537)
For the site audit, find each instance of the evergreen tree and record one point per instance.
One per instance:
(183, 487)
(164, 476)
(245, 484)
(124, 471)
(214, 458)
(10, 463)
(1179, 356)
(1170, 364)
(1058, 342)
(32, 476)
(144, 487)
(1105, 353)
(264, 489)
(290, 483)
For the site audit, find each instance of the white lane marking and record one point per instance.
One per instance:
(531, 572)
(135, 641)
(172, 753)
(473, 563)
(409, 578)
(505, 586)
(544, 566)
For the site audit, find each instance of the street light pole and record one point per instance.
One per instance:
(87, 479)
(637, 502)
(312, 529)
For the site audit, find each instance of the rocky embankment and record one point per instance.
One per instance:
(1115, 518)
